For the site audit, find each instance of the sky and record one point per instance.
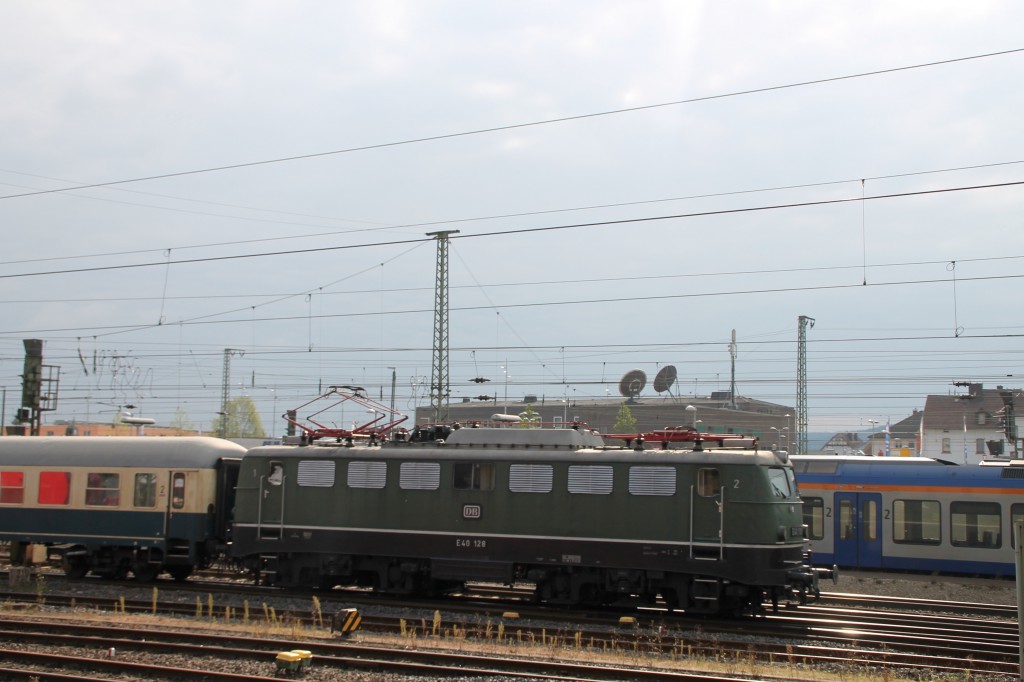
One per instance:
(631, 183)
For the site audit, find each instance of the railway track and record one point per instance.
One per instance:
(826, 636)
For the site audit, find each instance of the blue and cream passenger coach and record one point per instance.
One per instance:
(121, 504)
(708, 530)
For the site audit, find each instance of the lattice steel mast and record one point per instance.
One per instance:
(801, 384)
(439, 381)
(225, 390)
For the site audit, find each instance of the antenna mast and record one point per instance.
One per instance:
(440, 385)
(732, 382)
(801, 384)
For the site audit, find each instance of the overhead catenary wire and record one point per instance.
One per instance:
(516, 126)
(524, 230)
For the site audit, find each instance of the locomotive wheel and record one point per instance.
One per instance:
(74, 566)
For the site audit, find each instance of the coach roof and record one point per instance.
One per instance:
(117, 451)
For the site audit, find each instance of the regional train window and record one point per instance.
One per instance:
(845, 520)
(315, 473)
(916, 522)
(709, 483)
(103, 490)
(419, 476)
(530, 478)
(869, 520)
(372, 475)
(652, 480)
(814, 517)
(975, 524)
(145, 491)
(590, 479)
(1016, 514)
(54, 487)
(12, 487)
(473, 476)
(276, 476)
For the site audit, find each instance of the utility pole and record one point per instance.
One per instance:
(225, 390)
(440, 381)
(801, 384)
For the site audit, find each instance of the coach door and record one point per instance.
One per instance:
(858, 530)
(179, 504)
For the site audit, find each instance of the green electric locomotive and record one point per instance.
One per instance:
(710, 531)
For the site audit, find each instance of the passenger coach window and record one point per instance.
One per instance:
(814, 517)
(916, 522)
(708, 482)
(178, 490)
(12, 487)
(473, 476)
(103, 490)
(145, 491)
(54, 487)
(975, 524)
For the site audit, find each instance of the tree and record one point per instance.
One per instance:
(530, 418)
(180, 423)
(240, 421)
(625, 422)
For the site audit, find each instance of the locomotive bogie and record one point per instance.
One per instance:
(118, 506)
(707, 530)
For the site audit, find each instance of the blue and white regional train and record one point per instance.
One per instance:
(911, 513)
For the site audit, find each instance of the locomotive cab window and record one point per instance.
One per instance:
(276, 475)
(782, 482)
(103, 490)
(473, 476)
(12, 487)
(975, 524)
(709, 483)
(145, 491)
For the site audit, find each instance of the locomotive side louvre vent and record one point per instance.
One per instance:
(530, 478)
(1013, 472)
(652, 480)
(419, 476)
(590, 479)
(367, 474)
(316, 472)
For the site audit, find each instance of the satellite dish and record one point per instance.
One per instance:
(632, 382)
(665, 378)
